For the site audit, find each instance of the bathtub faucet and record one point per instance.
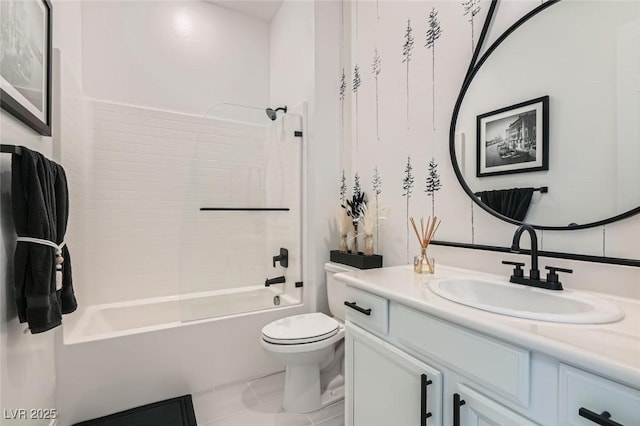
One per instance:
(276, 280)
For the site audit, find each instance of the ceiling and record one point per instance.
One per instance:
(263, 10)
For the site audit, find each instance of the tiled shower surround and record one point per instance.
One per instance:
(150, 171)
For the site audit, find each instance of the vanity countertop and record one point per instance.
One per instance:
(611, 350)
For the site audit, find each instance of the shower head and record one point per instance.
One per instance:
(271, 113)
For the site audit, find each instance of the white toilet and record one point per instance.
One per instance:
(312, 347)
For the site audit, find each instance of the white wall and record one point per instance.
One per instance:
(305, 60)
(291, 38)
(423, 137)
(183, 56)
(28, 362)
(324, 147)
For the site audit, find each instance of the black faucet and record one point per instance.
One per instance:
(551, 283)
(534, 272)
(276, 280)
(283, 258)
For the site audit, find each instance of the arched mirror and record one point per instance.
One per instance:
(553, 107)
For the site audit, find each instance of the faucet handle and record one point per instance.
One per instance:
(517, 270)
(552, 276)
(283, 258)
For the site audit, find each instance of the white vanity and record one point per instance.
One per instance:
(415, 358)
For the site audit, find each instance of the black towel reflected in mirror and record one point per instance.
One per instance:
(512, 203)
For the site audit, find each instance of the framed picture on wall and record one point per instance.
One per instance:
(25, 62)
(514, 139)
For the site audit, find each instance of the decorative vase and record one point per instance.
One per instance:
(343, 247)
(355, 238)
(423, 264)
(368, 244)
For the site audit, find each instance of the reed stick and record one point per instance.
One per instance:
(426, 233)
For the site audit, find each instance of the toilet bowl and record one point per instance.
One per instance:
(312, 348)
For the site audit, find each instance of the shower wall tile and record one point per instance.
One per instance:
(152, 170)
(72, 145)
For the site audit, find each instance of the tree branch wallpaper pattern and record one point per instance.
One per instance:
(401, 114)
(407, 48)
(376, 68)
(434, 32)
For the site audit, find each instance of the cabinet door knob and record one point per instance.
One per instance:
(603, 419)
(424, 411)
(358, 308)
(457, 403)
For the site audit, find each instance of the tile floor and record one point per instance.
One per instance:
(258, 403)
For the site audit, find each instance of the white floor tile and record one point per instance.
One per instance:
(335, 421)
(329, 412)
(258, 403)
(266, 414)
(223, 401)
(268, 388)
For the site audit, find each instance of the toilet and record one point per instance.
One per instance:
(312, 348)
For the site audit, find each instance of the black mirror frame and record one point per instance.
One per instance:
(476, 63)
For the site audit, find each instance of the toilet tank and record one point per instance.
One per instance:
(336, 290)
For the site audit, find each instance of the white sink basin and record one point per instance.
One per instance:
(503, 297)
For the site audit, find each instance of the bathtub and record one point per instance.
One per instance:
(137, 316)
(122, 355)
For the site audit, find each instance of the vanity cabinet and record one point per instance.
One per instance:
(386, 386)
(471, 408)
(405, 367)
(589, 400)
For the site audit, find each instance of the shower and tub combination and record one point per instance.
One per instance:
(239, 268)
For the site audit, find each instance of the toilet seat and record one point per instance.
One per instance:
(300, 329)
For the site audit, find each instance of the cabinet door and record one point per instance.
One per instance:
(386, 386)
(471, 408)
(584, 397)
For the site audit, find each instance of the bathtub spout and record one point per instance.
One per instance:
(276, 280)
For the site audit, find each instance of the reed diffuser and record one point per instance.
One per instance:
(423, 264)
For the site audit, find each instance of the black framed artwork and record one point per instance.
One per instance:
(514, 139)
(25, 62)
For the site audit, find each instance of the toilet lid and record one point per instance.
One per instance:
(300, 329)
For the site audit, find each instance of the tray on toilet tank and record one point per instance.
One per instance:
(360, 261)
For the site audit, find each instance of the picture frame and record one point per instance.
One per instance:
(26, 62)
(514, 139)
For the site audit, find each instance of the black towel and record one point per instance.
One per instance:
(40, 202)
(512, 203)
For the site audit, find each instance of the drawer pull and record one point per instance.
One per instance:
(457, 403)
(424, 413)
(603, 418)
(358, 308)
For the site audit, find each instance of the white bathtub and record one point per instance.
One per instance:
(122, 355)
(137, 316)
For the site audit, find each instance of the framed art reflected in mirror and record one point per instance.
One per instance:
(514, 139)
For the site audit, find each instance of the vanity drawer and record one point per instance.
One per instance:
(496, 365)
(367, 310)
(579, 389)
